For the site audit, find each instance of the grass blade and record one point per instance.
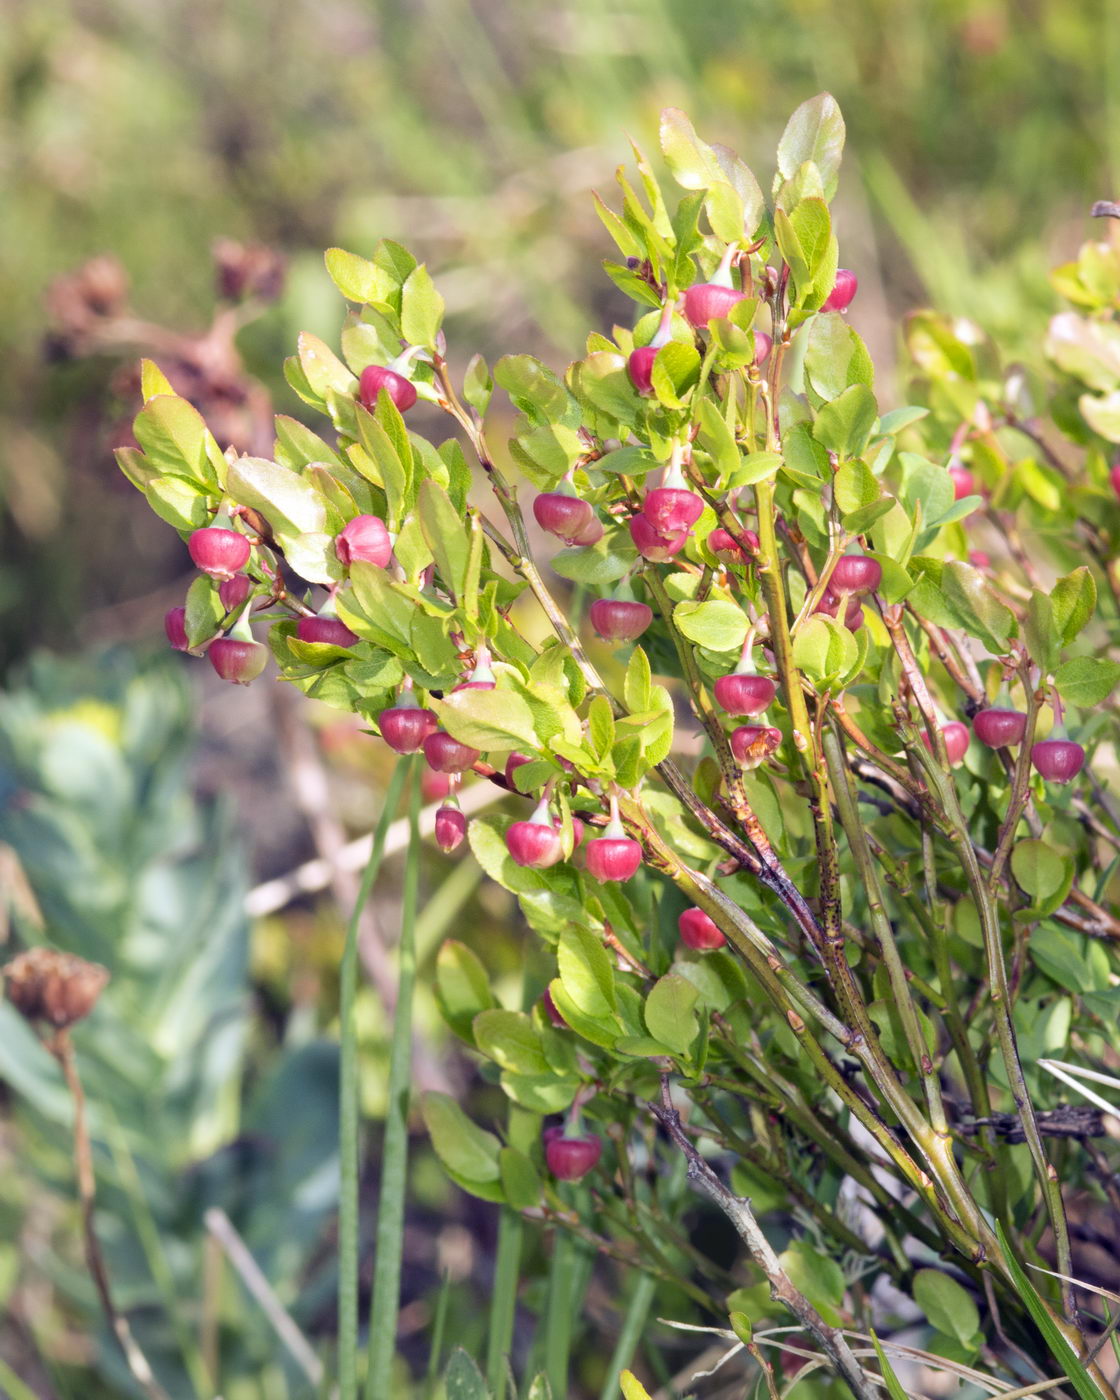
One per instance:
(348, 1108)
(385, 1303)
(503, 1302)
(12, 1386)
(1060, 1349)
(893, 1384)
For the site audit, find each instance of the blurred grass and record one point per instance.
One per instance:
(979, 132)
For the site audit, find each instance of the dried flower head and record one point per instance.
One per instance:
(44, 984)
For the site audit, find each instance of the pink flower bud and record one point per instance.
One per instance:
(707, 301)
(964, 483)
(233, 592)
(237, 661)
(728, 549)
(552, 1011)
(856, 573)
(652, 545)
(433, 785)
(670, 510)
(1058, 760)
(640, 368)
(591, 533)
(366, 538)
(1114, 477)
(175, 625)
(451, 827)
(999, 728)
(325, 630)
(843, 291)
(763, 344)
(571, 1158)
(535, 843)
(740, 694)
(219, 552)
(957, 739)
(377, 377)
(619, 619)
(613, 857)
(561, 515)
(699, 932)
(405, 727)
(447, 755)
(752, 744)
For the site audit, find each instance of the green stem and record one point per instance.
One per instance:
(773, 586)
(385, 1301)
(941, 781)
(503, 1302)
(563, 1276)
(349, 1109)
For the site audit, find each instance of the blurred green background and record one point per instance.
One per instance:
(979, 133)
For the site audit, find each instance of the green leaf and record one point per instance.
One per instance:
(1074, 599)
(463, 1380)
(814, 133)
(153, 381)
(521, 1181)
(488, 719)
(478, 384)
(670, 1013)
(511, 1040)
(461, 1145)
(836, 358)
(948, 1306)
(178, 501)
(421, 309)
(675, 372)
(357, 278)
(600, 726)
(289, 502)
(893, 1384)
(855, 486)
(692, 162)
(462, 987)
(716, 624)
(844, 426)
(717, 439)
(1086, 680)
(586, 973)
(632, 1388)
(322, 368)
(1060, 1349)
(824, 650)
(536, 391)
(981, 613)
(449, 541)
(173, 435)
(817, 1276)
(1044, 643)
(637, 686)
(755, 467)
(204, 611)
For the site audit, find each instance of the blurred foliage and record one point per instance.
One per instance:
(186, 1111)
(981, 128)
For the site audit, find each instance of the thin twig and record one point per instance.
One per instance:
(62, 1048)
(249, 1271)
(738, 1211)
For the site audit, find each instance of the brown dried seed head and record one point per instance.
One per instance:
(46, 985)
